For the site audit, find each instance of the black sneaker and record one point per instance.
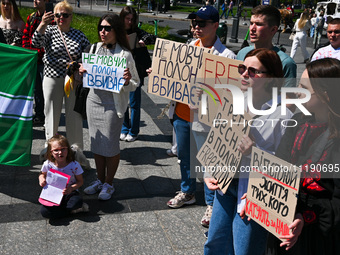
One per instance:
(38, 121)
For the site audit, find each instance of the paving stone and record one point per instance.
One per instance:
(27, 237)
(129, 188)
(180, 228)
(66, 228)
(149, 242)
(141, 221)
(148, 204)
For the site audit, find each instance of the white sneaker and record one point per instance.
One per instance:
(122, 136)
(94, 187)
(130, 138)
(170, 153)
(205, 221)
(106, 192)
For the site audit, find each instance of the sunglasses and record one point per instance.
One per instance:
(106, 28)
(65, 15)
(200, 23)
(251, 70)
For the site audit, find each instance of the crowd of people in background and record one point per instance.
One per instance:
(113, 117)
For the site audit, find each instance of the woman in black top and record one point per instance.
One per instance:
(314, 144)
(137, 38)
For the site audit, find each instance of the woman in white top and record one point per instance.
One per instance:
(105, 110)
(301, 26)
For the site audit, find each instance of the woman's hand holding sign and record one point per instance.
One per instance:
(127, 76)
(211, 183)
(245, 145)
(81, 69)
(296, 228)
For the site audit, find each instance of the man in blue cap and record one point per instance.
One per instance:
(205, 23)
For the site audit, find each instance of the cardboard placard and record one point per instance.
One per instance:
(215, 70)
(175, 67)
(103, 72)
(272, 192)
(219, 152)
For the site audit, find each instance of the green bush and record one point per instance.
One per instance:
(88, 25)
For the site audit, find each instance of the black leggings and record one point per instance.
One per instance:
(69, 203)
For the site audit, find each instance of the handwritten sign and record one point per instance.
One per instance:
(272, 192)
(103, 72)
(219, 153)
(174, 67)
(215, 70)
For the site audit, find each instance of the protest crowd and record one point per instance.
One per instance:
(242, 216)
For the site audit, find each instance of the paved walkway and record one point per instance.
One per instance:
(135, 221)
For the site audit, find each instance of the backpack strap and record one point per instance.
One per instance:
(93, 48)
(32, 17)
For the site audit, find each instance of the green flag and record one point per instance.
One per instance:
(18, 69)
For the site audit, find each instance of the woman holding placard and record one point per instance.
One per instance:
(314, 144)
(105, 109)
(228, 233)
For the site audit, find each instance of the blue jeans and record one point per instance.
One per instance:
(38, 93)
(228, 233)
(223, 13)
(183, 129)
(200, 138)
(230, 11)
(132, 127)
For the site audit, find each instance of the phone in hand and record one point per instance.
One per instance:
(49, 7)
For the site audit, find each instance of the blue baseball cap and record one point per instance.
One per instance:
(206, 13)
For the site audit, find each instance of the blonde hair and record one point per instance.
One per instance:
(15, 14)
(64, 4)
(303, 20)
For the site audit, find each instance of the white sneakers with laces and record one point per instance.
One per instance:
(106, 192)
(94, 187)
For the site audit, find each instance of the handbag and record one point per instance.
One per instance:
(292, 36)
(81, 94)
(72, 79)
(142, 59)
(80, 103)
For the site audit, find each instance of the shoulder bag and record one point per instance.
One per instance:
(81, 93)
(142, 59)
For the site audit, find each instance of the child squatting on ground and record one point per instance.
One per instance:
(60, 157)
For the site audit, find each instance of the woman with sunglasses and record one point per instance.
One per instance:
(57, 56)
(228, 233)
(105, 110)
(128, 15)
(11, 22)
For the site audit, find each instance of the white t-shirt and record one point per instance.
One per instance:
(71, 169)
(327, 52)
